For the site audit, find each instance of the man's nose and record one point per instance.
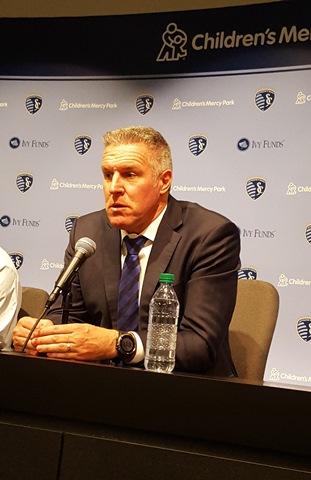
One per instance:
(116, 184)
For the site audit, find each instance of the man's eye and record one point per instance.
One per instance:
(107, 176)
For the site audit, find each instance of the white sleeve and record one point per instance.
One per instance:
(140, 352)
(10, 302)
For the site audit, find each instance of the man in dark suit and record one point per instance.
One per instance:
(199, 246)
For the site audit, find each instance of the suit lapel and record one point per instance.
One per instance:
(163, 248)
(111, 268)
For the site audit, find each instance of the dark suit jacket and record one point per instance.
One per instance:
(200, 247)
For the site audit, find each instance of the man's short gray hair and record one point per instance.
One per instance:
(160, 160)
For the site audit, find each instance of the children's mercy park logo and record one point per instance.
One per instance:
(302, 98)
(174, 41)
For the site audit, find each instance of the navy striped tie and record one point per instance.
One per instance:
(129, 285)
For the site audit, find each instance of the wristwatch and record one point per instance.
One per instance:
(126, 346)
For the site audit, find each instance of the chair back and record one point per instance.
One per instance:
(252, 326)
(33, 302)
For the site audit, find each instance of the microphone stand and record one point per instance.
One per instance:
(66, 305)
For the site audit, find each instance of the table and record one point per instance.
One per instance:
(70, 420)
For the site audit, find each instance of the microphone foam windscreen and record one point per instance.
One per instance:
(86, 245)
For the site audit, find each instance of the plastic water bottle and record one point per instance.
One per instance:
(162, 327)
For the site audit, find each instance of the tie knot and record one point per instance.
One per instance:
(134, 245)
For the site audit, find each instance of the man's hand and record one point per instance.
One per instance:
(21, 332)
(74, 341)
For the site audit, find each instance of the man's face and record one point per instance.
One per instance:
(134, 198)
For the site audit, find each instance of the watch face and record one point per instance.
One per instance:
(127, 344)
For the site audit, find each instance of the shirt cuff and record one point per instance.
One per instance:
(140, 352)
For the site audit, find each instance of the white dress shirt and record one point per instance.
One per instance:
(10, 299)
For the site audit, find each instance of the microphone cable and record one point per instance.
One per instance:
(33, 328)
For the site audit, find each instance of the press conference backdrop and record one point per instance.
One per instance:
(230, 89)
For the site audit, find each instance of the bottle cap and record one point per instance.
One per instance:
(167, 278)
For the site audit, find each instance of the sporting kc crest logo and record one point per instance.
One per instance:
(255, 187)
(70, 219)
(308, 233)
(304, 328)
(33, 103)
(83, 144)
(264, 99)
(197, 144)
(144, 104)
(247, 273)
(24, 181)
(17, 258)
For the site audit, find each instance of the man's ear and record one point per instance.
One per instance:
(166, 181)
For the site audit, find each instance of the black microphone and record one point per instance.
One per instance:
(84, 248)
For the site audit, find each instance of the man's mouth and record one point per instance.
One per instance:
(117, 206)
